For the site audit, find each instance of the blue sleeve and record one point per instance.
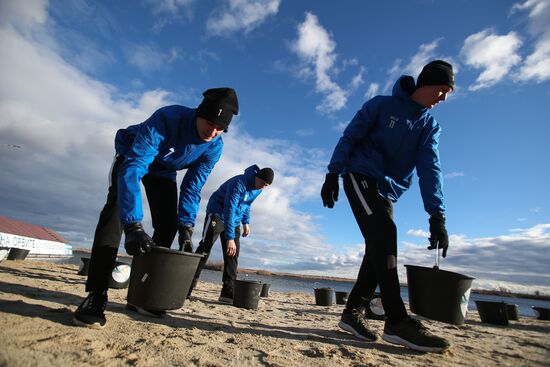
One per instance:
(358, 129)
(428, 168)
(235, 191)
(139, 156)
(246, 216)
(193, 181)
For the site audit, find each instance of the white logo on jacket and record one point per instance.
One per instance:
(393, 120)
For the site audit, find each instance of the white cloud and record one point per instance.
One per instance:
(23, 14)
(495, 55)
(536, 66)
(372, 90)
(168, 6)
(150, 58)
(65, 121)
(418, 233)
(315, 47)
(452, 175)
(240, 15)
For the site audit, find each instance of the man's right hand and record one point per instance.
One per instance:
(329, 191)
(136, 241)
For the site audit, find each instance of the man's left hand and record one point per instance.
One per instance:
(231, 248)
(184, 238)
(246, 229)
(438, 233)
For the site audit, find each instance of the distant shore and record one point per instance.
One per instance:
(218, 266)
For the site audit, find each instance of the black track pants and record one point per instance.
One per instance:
(213, 229)
(162, 196)
(374, 215)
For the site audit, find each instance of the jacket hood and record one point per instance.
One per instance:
(250, 173)
(404, 86)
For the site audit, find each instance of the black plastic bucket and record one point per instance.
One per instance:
(120, 275)
(542, 313)
(341, 297)
(492, 312)
(160, 280)
(438, 294)
(323, 296)
(512, 311)
(4, 251)
(265, 290)
(18, 254)
(246, 293)
(85, 266)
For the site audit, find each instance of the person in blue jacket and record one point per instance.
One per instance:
(150, 153)
(227, 209)
(390, 137)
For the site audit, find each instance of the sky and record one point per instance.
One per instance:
(73, 72)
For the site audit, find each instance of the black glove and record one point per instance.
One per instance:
(184, 238)
(329, 191)
(438, 233)
(136, 240)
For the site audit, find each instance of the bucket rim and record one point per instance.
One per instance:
(249, 281)
(324, 288)
(159, 249)
(440, 270)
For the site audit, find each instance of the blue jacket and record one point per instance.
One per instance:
(166, 142)
(232, 200)
(387, 139)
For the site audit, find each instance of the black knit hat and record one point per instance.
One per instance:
(437, 72)
(266, 174)
(218, 106)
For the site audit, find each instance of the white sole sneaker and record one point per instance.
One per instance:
(226, 300)
(95, 325)
(394, 339)
(143, 311)
(350, 329)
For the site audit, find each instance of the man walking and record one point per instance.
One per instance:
(384, 143)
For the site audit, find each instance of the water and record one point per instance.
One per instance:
(289, 284)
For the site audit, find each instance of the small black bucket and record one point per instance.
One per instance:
(341, 297)
(18, 254)
(120, 276)
(247, 293)
(438, 294)
(323, 296)
(492, 312)
(85, 266)
(512, 311)
(542, 313)
(4, 251)
(374, 309)
(160, 280)
(265, 290)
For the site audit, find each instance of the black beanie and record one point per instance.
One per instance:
(437, 72)
(218, 106)
(266, 174)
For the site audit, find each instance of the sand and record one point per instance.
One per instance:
(37, 300)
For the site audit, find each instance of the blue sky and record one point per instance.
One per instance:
(73, 72)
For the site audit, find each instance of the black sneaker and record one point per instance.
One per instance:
(142, 311)
(412, 334)
(90, 313)
(355, 323)
(226, 296)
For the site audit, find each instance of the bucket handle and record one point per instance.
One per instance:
(437, 256)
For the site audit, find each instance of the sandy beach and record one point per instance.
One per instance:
(37, 300)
